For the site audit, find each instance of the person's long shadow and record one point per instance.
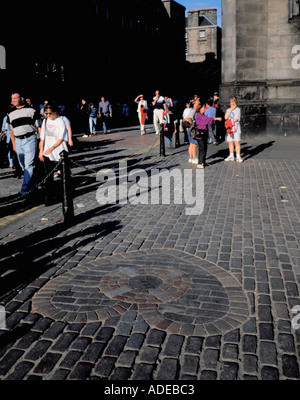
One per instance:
(14, 204)
(249, 152)
(217, 157)
(90, 183)
(246, 152)
(87, 157)
(28, 257)
(84, 146)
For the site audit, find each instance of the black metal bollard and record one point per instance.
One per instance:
(162, 151)
(67, 200)
(177, 139)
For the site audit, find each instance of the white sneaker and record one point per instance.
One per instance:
(200, 166)
(239, 159)
(229, 158)
(190, 160)
(194, 160)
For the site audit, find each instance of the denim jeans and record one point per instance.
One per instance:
(9, 147)
(212, 132)
(26, 151)
(93, 123)
(105, 119)
(168, 140)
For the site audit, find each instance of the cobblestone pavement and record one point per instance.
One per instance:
(146, 292)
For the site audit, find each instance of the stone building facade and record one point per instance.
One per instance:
(202, 34)
(261, 63)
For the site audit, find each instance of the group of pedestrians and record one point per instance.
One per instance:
(37, 136)
(40, 136)
(200, 118)
(90, 113)
(198, 122)
(160, 106)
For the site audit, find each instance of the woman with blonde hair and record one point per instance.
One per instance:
(233, 116)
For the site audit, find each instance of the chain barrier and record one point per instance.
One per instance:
(110, 166)
(24, 195)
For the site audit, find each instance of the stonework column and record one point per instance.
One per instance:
(259, 64)
(229, 26)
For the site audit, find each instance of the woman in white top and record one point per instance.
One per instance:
(234, 113)
(142, 111)
(53, 141)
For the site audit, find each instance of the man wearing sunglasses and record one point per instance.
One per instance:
(23, 123)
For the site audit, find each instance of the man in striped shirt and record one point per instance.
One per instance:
(23, 122)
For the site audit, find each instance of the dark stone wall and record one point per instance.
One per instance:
(260, 114)
(114, 48)
(259, 65)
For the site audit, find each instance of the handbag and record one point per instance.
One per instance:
(193, 131)
(186, 124)
(228, 126)
(200, 133)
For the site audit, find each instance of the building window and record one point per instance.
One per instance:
(202, 34)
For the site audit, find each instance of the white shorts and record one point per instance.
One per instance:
(235, 138)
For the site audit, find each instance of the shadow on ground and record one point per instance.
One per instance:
(26, 258)
(246, 152)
